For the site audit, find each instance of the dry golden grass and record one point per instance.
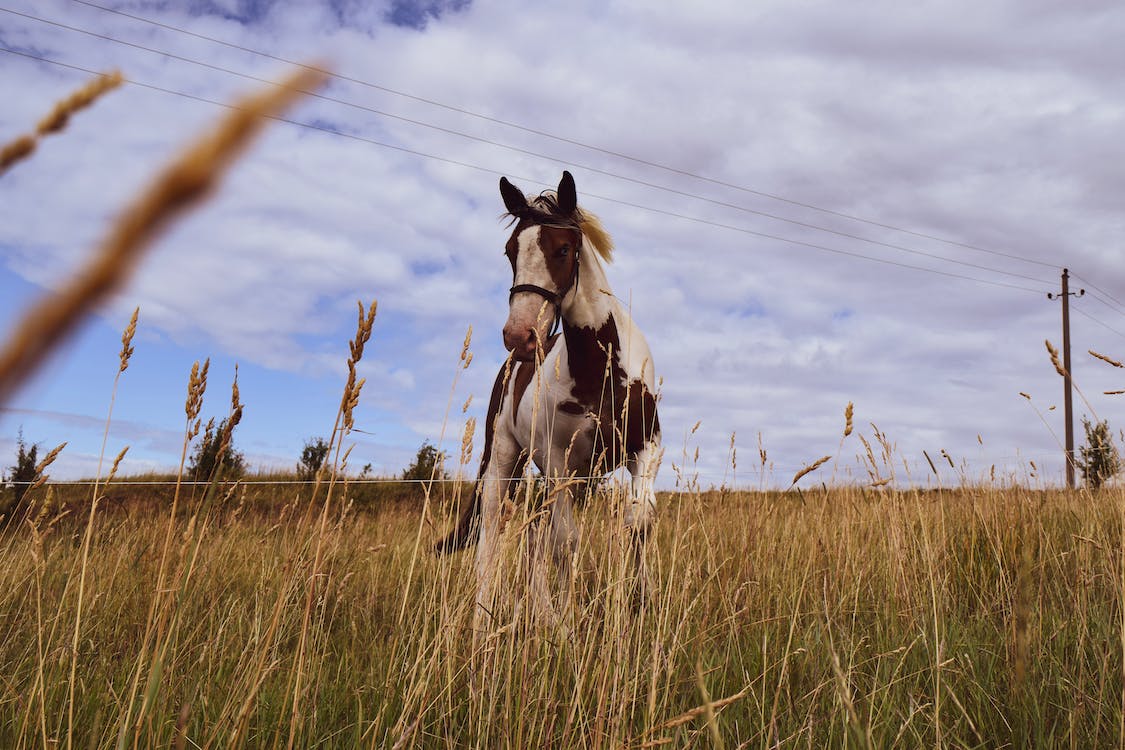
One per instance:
(986, 615)
(181, 185)
(810, 468)
(839, 618)
(15, 151)
(1104, 358)
(23, 146)
(1055, 358)
(60, 115)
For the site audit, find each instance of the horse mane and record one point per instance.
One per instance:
(544, 209)
(591, 226)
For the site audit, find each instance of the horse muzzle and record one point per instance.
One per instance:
(521, 342)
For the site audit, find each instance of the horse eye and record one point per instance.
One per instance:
(564, 250)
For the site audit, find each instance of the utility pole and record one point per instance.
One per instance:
(1068, 408)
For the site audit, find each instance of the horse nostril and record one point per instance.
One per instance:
(515, 337)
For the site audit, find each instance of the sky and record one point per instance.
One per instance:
(813, 203)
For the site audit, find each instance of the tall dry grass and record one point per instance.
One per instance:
(181, 185)
(55, 121)
(987, 614)
(847, 617)
(984, 615)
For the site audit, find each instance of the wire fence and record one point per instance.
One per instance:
(728, 479)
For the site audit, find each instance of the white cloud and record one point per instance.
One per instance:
(992, 126)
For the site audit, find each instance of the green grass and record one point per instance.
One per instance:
(975, 617)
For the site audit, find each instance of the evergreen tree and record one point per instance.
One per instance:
(1099, 459)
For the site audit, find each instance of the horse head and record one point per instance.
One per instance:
(544, 250)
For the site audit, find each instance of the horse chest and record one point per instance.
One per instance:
(541, 407)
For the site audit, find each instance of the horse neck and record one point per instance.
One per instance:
(591, 304)
(592, 321)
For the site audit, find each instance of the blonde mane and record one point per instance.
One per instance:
(592, 228)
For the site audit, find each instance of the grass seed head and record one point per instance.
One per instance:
(234, 418)
(79, 100)
(1104, 358)
(809, 469)
(116, 463)
(49, 458)
(15, 151)
(467, 440)
(848, 412)
(465, 346)
(24, 146)
(183, 184)
(197, 386)
(127, 341)
(1054, 357)
(235, 402)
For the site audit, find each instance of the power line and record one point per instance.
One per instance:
(527, 152)
(1120, 305)
(812, 245)
(1103, 325)
(1102, 300)
(467, 165)
(571, 141)
(310, 126)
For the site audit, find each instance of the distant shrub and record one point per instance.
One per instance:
(211, 459)
(428, 464)
(312, 458)
(23, 474)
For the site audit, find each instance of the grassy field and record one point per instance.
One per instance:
(974, 617)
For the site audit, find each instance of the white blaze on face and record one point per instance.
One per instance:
(529, 311)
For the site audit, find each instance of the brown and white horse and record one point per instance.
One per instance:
(577, 403)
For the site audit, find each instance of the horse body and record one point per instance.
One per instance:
(577, 403)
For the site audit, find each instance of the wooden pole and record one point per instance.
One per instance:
(1068, 407)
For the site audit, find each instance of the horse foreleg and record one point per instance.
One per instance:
(495, 485)
(556, 538)
(640, 510)
(564, 535)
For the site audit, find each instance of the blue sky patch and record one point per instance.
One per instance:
(415, 14)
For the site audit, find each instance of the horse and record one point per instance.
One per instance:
(592, 405)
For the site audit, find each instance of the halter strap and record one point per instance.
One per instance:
(555, 298)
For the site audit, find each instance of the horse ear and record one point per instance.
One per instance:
(568, 196)
(514, 199)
